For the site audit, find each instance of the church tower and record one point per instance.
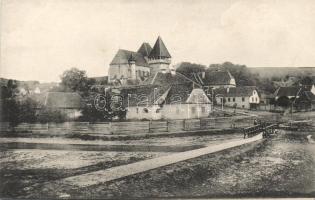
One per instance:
(159, 57)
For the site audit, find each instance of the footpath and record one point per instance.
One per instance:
(118, 172)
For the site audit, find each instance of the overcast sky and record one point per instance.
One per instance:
(42, 38)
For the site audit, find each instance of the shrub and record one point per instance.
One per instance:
(51, 115)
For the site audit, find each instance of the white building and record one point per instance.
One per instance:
(241, 97)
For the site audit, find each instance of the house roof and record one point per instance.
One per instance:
(145, 49)
(63, 100)
(142, 94)
(305, 96)
(287, 91)
(243, 91)
(179, 93)
(217, 78)
(125, 56)
(156, 94)
(309, 95)
(159, 50)
(196, 77)
(167, 78)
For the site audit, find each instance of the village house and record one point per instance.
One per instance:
(266, 100)
(305, 98)
(68, 103)
(289, 92)
(218, 79)
(137, 66)
(166, 95)
(240, 97)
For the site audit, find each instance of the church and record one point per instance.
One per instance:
(129, 66)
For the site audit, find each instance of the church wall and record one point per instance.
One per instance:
(118, 71)
(125, 70)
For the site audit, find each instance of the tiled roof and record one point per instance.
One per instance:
(304, 97)
(287, 91)
(217, 78)
(125, 56)
(147, 94)
(243, 91)
(145, 49)
(309, 95)
(179, 93)
(63, 100)
(154, 94)
(161, 78)
(159, 50)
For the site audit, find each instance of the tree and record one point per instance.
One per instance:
(187, 68)
(76, 80)
(27, 110)
(51, 115)
(306, 81)
(103, 107)
(241, 73)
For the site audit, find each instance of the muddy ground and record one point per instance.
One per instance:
(279, 167)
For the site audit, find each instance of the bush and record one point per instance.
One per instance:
(51, 115)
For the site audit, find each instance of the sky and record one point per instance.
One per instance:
(40, 39)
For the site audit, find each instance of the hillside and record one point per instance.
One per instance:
(283, 71)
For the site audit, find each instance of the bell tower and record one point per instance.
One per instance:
(159, 57)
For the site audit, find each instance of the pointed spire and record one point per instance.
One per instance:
(145, 49)
(159, 50)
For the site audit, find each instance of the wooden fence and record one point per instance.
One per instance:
(131, 127)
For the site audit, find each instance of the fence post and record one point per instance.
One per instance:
(150, 126)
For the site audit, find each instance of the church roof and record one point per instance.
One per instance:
(145, 49)
(159, 50)
(124, 57)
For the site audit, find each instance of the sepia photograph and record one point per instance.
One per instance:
(157, 99)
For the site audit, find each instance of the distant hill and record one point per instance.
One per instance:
(283, 71)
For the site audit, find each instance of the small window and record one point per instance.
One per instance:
(193, 110)
(252, 99)
(243, 99)
(145, 110)
(229, 99)
(233, 99)
(256, 99)
(243, 106)
(157, 110)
